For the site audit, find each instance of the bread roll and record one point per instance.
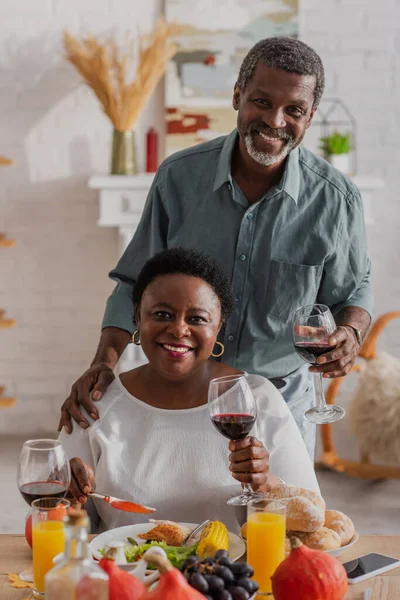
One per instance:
(284, 490)
(323, 539)
(301, 514)
(341, 524)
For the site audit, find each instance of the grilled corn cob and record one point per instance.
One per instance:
(214, 537)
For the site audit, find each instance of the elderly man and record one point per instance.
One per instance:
(287, 227)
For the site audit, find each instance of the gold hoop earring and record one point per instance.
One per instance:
(135, 338)
(222, 350)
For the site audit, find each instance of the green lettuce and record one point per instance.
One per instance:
(175, 554)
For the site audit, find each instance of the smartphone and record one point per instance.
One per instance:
(369, 565)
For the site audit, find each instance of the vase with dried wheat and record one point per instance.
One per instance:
(104, 68)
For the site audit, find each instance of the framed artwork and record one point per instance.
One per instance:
(213, 39)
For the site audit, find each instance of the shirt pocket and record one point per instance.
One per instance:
(290, 286)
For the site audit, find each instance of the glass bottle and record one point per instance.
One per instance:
(76, 576)
(151, 150)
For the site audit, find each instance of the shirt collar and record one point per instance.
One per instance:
(223, 172)
(290, 182)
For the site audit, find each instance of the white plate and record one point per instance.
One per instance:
(339, 551)
(237, 546)
(342, 549)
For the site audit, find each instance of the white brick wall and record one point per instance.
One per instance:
(55, 281)
(359, 42)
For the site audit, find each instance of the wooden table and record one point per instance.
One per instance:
(15, 555)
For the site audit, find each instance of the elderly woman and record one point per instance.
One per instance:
(154, 442)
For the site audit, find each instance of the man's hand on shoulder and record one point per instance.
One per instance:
(88, 388)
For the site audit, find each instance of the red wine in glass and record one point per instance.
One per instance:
(234, 426)
(43, 489)
(313, 327)
(233, 412)
(310, 351)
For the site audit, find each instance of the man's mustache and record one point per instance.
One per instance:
(273, 133)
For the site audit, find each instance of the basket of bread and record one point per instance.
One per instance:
(308, 519)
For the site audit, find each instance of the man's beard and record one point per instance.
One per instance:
(266, 159)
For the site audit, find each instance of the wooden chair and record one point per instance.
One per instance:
(329, 458)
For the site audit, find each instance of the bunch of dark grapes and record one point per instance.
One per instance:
(218, 578)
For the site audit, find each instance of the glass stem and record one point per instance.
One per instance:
(247, 491)
(319, 393)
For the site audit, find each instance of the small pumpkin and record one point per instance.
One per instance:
(122, 585)
(28, 529)
(172, 584)
(309, 575)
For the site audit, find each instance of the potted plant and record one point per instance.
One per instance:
(336, 148)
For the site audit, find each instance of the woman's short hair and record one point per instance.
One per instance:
(186, 261)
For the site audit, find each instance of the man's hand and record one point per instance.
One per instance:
(250, 463)
(82, 481)
(90, 386)
(338, 361)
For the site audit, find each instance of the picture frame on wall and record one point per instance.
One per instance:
(213, 39)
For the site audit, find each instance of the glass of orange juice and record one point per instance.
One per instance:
(266, 529)
(47, 537)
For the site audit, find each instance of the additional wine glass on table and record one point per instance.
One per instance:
(43, 472)
(313, 326)
(233, 411)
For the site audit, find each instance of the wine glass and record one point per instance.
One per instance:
(43, 472)
(233, 411)
(313, 325)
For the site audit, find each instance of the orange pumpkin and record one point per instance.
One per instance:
(28, 530)
(309, 575)
(122, 585)
(57, 513)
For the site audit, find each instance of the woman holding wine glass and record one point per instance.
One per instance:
(154, 442)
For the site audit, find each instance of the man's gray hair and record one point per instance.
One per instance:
(284, 53)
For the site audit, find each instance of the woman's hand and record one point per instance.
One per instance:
(250, 464)
(82, 481)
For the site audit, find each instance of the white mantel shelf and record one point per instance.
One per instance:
(122, 198)
(364, 182)
(117, 182)
(144, 180)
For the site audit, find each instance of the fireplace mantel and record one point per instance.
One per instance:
(122, 200)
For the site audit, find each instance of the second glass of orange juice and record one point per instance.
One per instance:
(47, 538)
(266, 529)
